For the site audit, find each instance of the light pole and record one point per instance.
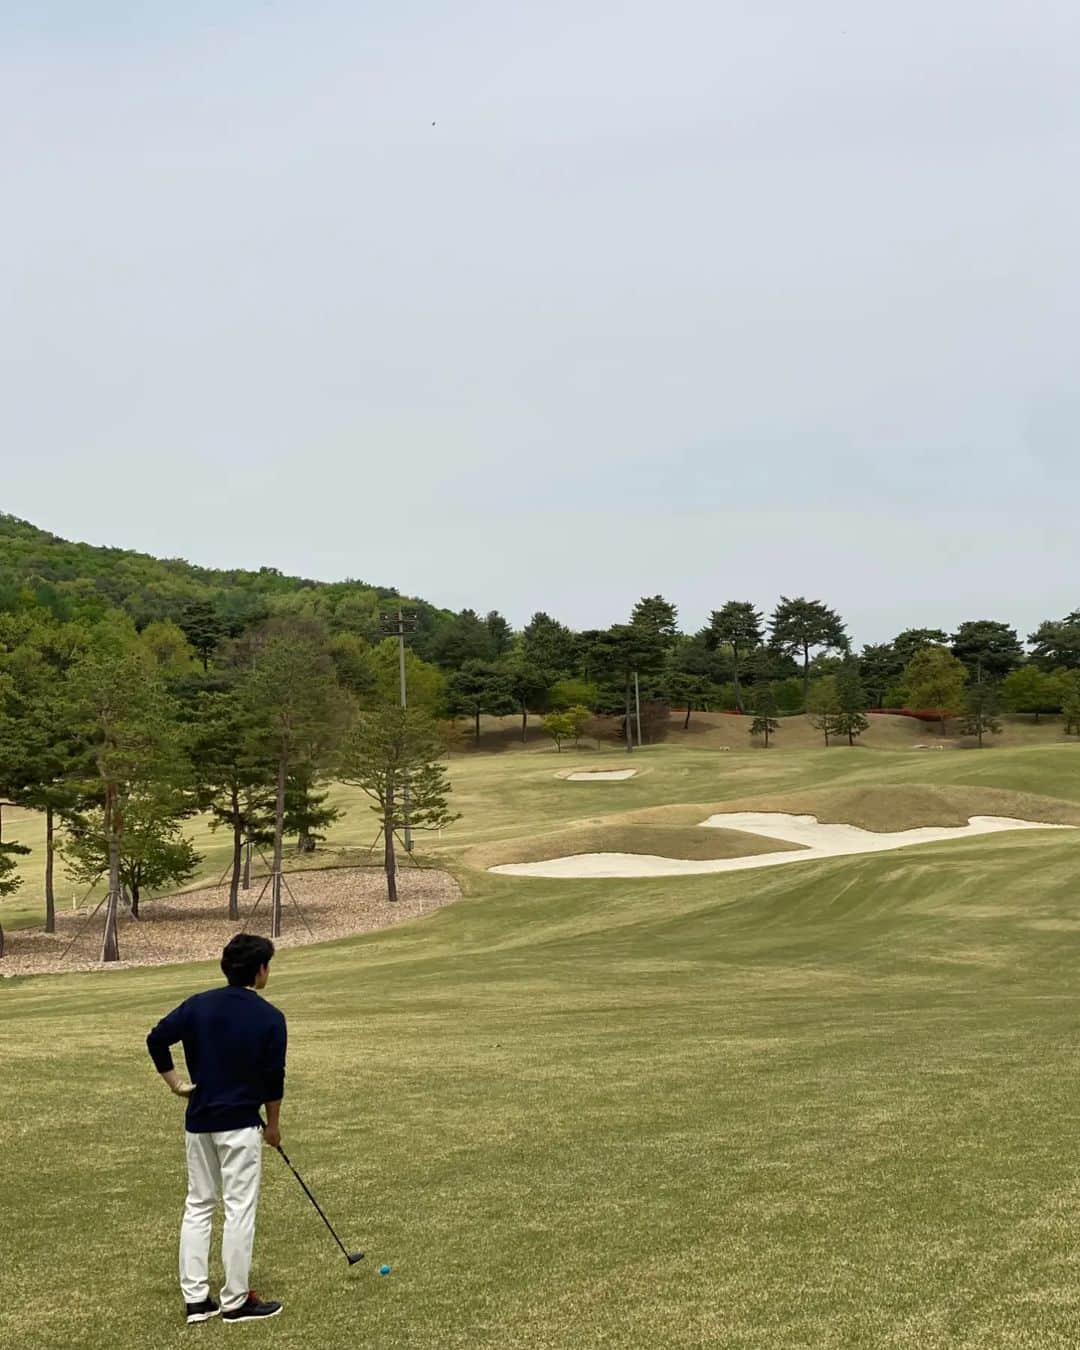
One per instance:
(637, 707)
(397, 625)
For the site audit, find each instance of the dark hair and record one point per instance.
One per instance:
(242, 957)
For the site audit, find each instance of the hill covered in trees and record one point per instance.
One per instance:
(81, 582)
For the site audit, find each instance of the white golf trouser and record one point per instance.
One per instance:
(229, 1164)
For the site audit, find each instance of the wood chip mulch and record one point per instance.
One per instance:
(193, 926)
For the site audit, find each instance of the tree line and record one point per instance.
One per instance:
(136, 691)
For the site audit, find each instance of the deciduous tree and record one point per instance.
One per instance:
(1070, 700)
(154, 852)
(558, 726)
(1031, 690)
(934, 678)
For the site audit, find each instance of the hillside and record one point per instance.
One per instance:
(82, 580)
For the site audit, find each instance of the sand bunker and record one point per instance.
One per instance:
(599, 775)
(818, 840)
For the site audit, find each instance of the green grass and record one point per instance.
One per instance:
(830, 1105)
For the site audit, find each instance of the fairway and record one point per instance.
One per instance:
(826, 1105)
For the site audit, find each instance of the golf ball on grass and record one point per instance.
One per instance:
(384, 1270)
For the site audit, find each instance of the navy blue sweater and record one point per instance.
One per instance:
(234, 1045)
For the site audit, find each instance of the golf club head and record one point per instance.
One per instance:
(353, 1257)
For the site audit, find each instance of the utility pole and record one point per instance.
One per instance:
(637, 707)
(405, 621)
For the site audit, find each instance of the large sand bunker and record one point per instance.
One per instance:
(599, 775)
(817, 840)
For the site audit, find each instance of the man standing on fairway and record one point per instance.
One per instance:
(234, 1045)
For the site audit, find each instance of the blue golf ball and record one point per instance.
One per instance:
(384, 1270)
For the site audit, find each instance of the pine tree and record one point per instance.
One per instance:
(980, 710)
(296, 707)
(764, 704)
(799, 626)
(852, 720)
(306, 811)
(823, 706)
(389, 753)
(737, 625)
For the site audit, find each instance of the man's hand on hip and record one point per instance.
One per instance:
(178, 1086)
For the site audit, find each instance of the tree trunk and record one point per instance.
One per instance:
(50, 849)
(134, 900)
(110, 946)
(850, 737)
(389, 860)
(806, 677)
(247, 864)
(686, 724)
(237, 857)
(629, 736)
(735, 673)
(477, 734)
(279, 830)
(943, 726)
(524, 722)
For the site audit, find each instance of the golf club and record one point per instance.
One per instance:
(351, 1257)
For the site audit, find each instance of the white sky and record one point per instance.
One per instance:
(716, 299)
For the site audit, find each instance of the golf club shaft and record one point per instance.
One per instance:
(315, 1202)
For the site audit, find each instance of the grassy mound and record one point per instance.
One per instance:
(879, 807)
(621, 836)
(911, 805)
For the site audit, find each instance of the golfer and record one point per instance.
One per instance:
(234, 1045)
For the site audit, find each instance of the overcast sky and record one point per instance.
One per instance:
(527, 306)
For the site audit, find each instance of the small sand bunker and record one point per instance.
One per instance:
(817, 840)
(599, 775)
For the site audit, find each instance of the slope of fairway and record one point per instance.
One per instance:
(509, 796)
(819, 1106)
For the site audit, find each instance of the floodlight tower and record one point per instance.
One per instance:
(397, 625)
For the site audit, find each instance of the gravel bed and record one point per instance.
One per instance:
(192, 926)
